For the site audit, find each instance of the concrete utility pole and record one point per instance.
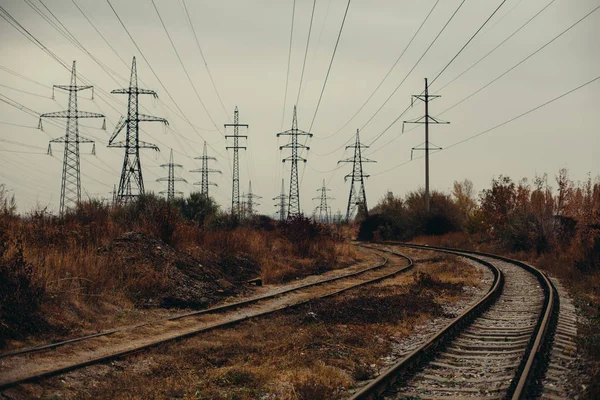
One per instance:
(70, 187)
(426, 119)
(170, 192)
(235, 190)
(294, 197)
(131, 184)
(205, 171)
(357, 198)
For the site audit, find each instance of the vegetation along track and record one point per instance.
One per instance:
(496, 349)
(36, 363)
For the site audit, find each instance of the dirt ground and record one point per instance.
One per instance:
(316, 351)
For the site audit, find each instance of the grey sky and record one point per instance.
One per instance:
(246, 47)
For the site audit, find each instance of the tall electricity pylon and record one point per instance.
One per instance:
(205, 171)
(426, 119)
(70, 188)
(281, 202)
(235, 189)
(251, 202)
(323, 209)
(171, 179)
(294, 196)
(357, 198)
(131, 184)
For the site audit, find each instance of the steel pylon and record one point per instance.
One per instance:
(205, 171)
(131, 184)
(323, 210)
(70, 188)
(358, 197)
(251, 202)
(281, 202)
(171, 179)
(294, 133)
(235, 188)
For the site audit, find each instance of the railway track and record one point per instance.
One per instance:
(499, 348)
(32, 364)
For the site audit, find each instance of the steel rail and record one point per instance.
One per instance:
(223, 307)
(533, 359)
(99, 359)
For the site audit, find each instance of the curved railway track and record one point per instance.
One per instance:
(32, 364)
(496, 349)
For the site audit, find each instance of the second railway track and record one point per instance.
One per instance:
(494, 350)
(44, 361)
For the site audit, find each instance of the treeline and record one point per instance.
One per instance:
(530, 216)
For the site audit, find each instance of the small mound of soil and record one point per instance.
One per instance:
(157, 275)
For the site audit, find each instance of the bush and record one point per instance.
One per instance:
(20, 295)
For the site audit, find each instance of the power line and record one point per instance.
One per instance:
(26, 92)
(498, 46)
(204, 58)
(502, 123)
(522, 61)
(468, 69)
(468, 41)
(330, 64)
(10, 71)
(312, 15)
(183, 66)
(154, 72)
(414, 66)
(287, 77)
(387, 74)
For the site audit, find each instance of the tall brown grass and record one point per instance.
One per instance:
(76, 286)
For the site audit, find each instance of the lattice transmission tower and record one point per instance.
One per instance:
(358, 197)
(427, 119)
(131, 184)
(281, 202)
(294, 133)
(323, 210)
(171, 179)
(205, 171)
(235, 189)
(70, 187)
(250, 203)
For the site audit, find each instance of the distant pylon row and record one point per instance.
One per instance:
(131, 183)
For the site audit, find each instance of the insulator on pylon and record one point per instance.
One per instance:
(49, 149)
(92, 93)
(52, 92)
(104, 124)
(40, 127)
(94, 149)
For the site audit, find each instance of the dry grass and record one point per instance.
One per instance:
(84, 290)
(317, 351)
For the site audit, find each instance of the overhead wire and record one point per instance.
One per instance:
(183, 67)
(519, 116)
(523, 60)
(312, 15)
(386, 75)
(287, 77)
(465, 71)
(415, 65)
(337, 42)
(204, 59)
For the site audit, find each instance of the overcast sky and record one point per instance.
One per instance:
(246, 43)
